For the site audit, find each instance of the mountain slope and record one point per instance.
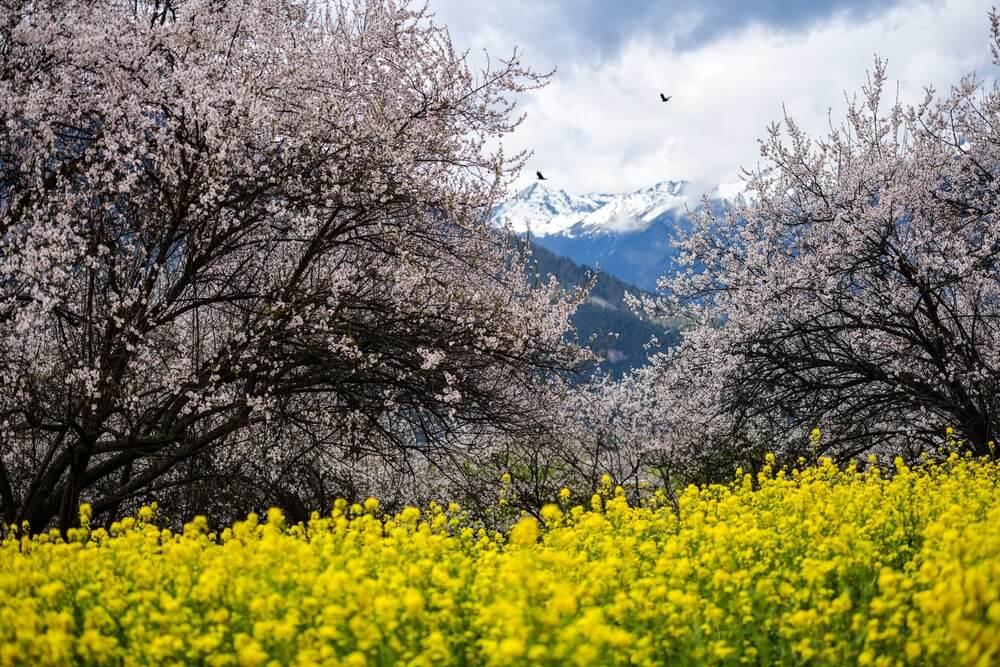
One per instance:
(616, 333)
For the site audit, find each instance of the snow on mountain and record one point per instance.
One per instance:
(732, 190)
(634, 211)
(626, 235)
(545, 211)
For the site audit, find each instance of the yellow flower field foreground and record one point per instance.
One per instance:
(815, 567)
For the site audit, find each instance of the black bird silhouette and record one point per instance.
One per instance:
(540, 177)
(665, 98)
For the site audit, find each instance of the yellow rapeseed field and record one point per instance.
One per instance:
(820, 566)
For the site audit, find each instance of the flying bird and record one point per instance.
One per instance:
(665, 98)
(540, 177)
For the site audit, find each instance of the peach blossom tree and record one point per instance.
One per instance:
(854, 289)
(244, 242)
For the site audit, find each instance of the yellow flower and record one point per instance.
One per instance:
(252, 654)
(525, 532)
(413, 601)
(511, 647)
(833, 566)
(551, 513)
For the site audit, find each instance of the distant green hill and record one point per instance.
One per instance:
(618, 334)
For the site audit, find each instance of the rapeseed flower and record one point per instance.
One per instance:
(820, 565)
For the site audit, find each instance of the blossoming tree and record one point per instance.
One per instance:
(856, 288)
(241, 239)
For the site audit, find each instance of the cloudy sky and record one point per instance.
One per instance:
(729, 64)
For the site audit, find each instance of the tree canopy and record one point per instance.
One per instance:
(245, 256)
(855, 289)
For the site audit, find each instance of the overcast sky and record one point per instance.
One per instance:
(729, 64)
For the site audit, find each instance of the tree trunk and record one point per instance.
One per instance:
(69, 507)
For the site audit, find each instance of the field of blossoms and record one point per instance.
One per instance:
(820, 566)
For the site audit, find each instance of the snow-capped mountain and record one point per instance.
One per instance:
(544, 211)
(627, 235)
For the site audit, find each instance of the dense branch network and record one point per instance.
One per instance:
(244, 252)
(855, 289)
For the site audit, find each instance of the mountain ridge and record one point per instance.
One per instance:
(544, 211)
(626, 235)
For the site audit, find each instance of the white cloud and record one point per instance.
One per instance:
(600, 125)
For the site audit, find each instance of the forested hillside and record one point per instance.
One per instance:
(618, 335)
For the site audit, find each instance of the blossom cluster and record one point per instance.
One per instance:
(822, 566)
(855, 285)
(262, 222)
